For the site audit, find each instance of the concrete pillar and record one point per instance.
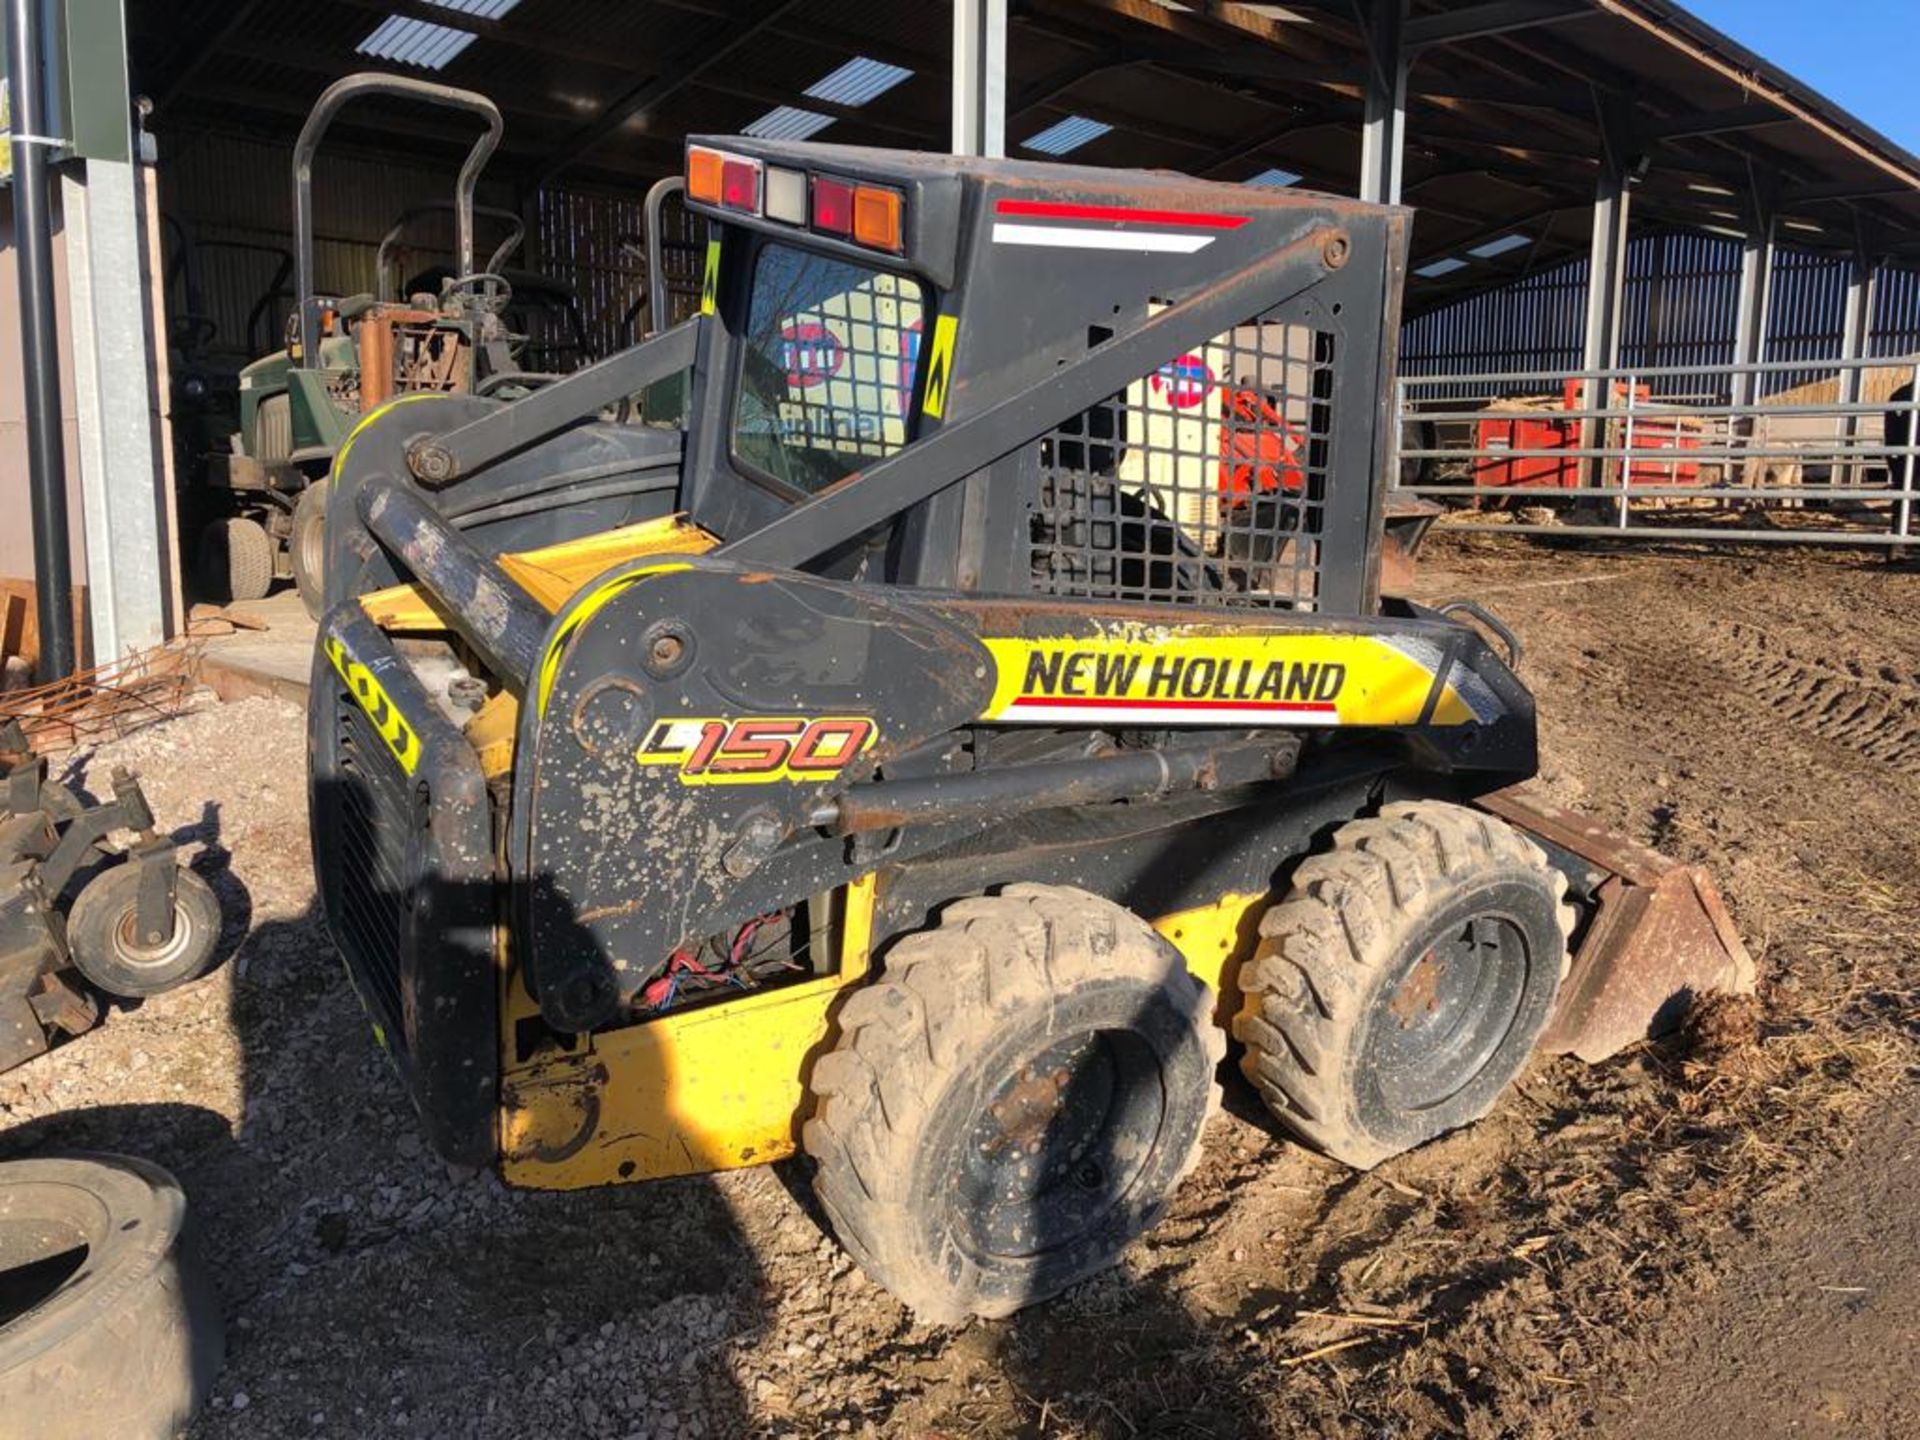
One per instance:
(120, 485)
(1383, 137)
(980, 77)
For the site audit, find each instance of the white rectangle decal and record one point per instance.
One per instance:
(1065, 237)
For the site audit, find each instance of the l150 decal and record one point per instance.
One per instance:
(757, 749)
(1169, 677)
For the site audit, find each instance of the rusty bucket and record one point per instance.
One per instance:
(1656, 934)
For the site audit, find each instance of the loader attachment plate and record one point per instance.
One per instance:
(1658, 934)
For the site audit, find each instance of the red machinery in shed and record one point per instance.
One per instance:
(1510, 435)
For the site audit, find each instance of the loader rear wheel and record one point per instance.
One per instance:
(1401, 984)
(1014, 1102)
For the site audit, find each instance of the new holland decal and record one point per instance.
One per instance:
(757, 749)
(372, 698)
(1172, 677)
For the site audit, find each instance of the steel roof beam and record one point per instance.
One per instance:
(1496, 17)
(1715, 122)
(707, 47)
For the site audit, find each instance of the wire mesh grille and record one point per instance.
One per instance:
(1202, 483)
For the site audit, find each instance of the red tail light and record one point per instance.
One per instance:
(740, 185)
(832, 206)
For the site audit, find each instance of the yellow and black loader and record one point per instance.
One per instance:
(933, 746)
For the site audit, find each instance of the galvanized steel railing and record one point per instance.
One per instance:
(1836, 461)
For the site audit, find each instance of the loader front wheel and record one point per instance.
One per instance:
(1014, 1102)
(1401, 984)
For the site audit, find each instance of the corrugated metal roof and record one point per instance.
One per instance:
(1502, 132)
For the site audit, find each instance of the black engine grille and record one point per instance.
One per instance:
(374, 895)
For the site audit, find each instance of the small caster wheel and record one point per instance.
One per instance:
(103, 934)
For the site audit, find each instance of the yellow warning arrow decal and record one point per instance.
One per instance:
(710, 282)
(386, 716)
(940, 365)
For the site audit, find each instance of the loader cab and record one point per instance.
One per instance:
(859, 302)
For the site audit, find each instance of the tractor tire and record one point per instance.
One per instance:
(308, 547)
(106, 1325)
(236, 560)
(104, 945)
(1404, 980)
(1014, 1102)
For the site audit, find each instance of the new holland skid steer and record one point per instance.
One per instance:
(932, 752)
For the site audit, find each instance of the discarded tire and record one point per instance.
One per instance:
(103, 934)
(106, 1326)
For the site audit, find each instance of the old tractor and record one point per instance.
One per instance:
(264, 491)
(932, 753)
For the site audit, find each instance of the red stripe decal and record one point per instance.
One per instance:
(1047, 210)
(1094, 702)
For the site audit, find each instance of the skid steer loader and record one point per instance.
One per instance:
(932, 751)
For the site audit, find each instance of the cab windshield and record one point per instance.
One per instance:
(826, 385)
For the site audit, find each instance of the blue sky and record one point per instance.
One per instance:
(1865, 54)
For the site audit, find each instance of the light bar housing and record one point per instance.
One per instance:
(873, 217)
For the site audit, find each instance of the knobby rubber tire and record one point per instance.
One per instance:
(1334, 953)
(962, 1007)
(236, 560)
(126, 1342)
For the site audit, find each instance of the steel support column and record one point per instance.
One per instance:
(1756, 301)
(980, 77)
(1607, 278)
(1857, 329)
(1607, 272)
(39, 343)
(1383, 136)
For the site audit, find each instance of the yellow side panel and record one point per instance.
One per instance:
(1216, 940)
(551, 575)
(711, 1089)
(724, 1087)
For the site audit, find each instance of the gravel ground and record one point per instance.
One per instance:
(1499, 1282)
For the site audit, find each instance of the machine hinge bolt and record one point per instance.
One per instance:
(432, 464)
(1336, 251)
(667, 650)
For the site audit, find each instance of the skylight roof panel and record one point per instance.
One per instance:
(1502, 246)
(1274, 177)
(1067, 135)
(858, 81)
(788, 122)
(421, 43)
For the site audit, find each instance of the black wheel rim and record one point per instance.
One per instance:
(1056, 1149)
(1448, 1012)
